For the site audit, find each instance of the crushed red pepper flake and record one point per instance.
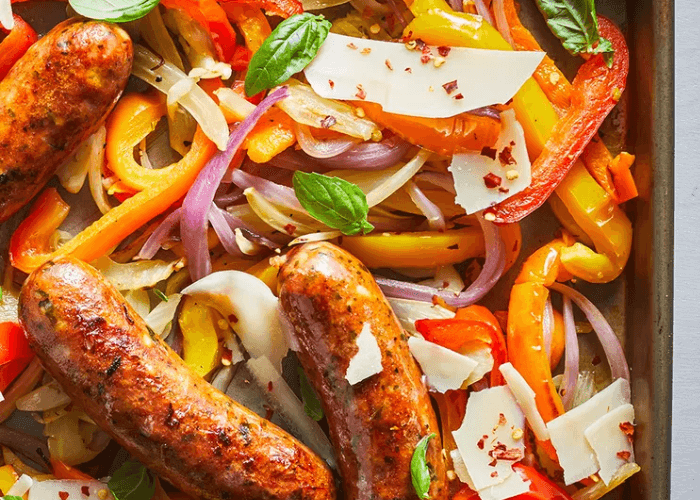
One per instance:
(443, 50)
(328, 121)
(450, 86)
(492, 180)
(290, 228)
(506, 156)
(627, 428)
(493, 463)
(366, 51)
(387, 62)
(494, 473)
(489, 152)
(503, 190)
(331, 83)
(502, 419)
(270, 386)
(480, 443)
(63, 495)
(361, 94)
(624, 455)
(458, 97)
(85, 491)
(501, 452)
(425, 58)
(352, 46)
(408, 70)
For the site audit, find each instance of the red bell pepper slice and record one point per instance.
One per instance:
(15, 44)
(470, 324)
(282, 8)
(541, 487)
(212, 17)
(596, 91)
(15, 353)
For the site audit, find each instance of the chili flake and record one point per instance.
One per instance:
(624, 455)
(450, 86)
(458, 97)
(331, 83)
(506, 156)
(365, 51)
(408, 70)
(387, 63)
(627, 428)
(489, 152)
(63, 495)
(443, 50)
(328, 121)
(492, 180)
(352, 46)
(361, 94)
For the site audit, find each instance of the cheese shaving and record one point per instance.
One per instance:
(368, 359)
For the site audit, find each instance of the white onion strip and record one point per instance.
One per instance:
(490, 274)
(317, 148)
(611, 344)
(436, 220)
(398, 179)
(276, 193)
(571, 361)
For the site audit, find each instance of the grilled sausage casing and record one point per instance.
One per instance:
(54, 98)
(139, 391)
(329, 296)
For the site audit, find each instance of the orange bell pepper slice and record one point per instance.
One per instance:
(213, 19)
(596, 91)
(65, 471)
(271, 135)
(282, 8)
(622, 177)
(251, 21)
(15, 44)
(544, 265)
(30, 244)
(445, 136)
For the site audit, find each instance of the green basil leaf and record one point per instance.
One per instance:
(11, 497)
(335, 202)
(420, 473)
(312, 405)
(288, 50)
(115, 11)
(132, 481)
(575, 23)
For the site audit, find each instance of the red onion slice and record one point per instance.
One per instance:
(457, 5)
(483, 11)
(370, 155)
(201, 195)
(282, 195)
(490, 274)
(295, 160)
(444, 181)
(160, 235)
(321, 149)
(222, 229)
(611, 344)
(499, 12)
(571, 361)
(436, 220)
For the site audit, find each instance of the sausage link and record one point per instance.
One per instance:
(54, 98)
(139, 391)
(329, 297)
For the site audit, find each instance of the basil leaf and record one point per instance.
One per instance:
(132, 481)
(575, 23)
(312, 405)
(288, 50)
(335, 202)
(115, 11)
(420, 473)
(12, 497)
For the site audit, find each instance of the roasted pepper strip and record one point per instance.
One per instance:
(200, 348)
(251, 21)
(622, 177)
(15, 44)
(282, 8)
(30, 244)
(409, 250)
(544, 265)
(526, 347)
(271, 135)
(597, 89)
(445, 136)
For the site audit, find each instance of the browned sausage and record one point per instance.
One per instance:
(329, 296)
(139, 391)
(54, 98)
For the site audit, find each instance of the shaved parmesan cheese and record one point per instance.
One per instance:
(512, 486)
(408, 311)
(481, 353)
(6, 19)
(70, 489)
(525, 397)
(21, 486)
(507, 164)
(613, 448)
(389, 74)
(368, 359)
(576, 456)
(485, 438)
(461, 469)
(444, 369)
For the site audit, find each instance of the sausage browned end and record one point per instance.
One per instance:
(139, 391)
(329, 296)
(55, 97)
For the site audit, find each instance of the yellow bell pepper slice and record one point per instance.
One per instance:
(265, 272)
(416, 250)
(8, 477)
(200, 348)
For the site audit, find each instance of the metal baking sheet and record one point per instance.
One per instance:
(639, 304)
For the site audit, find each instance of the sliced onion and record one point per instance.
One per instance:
(487, 112)
(295, 160)
(571, 361)
(160, 235)
(611, 344)
(163, 75)
(223, 378)
(444, 181)
(321, 149)
(490, 274)
(483, 11)
(136, 275)
(223, 230)
(398, 12)
(46, 397)
(394, 182)
(201, 195)
(436, 220)
(158, 37)
(73, 172)
(95, 170)
(457, 5)
(163, 314)
(249, 232)
(370, 155)
(21, 386)
(6, 18)
(274, 192)
(309, 238)
(287, 405)
(499, 12)
(279, 219)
